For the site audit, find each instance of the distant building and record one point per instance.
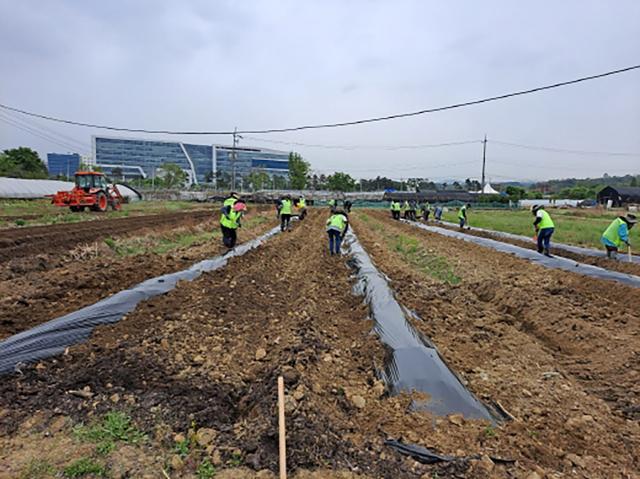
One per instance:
(62, 164)
(203, 163)
(619, 195)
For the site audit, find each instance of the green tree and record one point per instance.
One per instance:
(515, 193)
(174, 176)
(279, 182)
(258, 180)
(634, 181)
(22, 162)
(341, 182)
(298, 171)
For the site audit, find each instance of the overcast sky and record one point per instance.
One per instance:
(214, 65)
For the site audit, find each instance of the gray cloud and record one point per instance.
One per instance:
(259, 64)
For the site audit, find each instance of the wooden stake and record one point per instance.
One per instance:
(281, 435)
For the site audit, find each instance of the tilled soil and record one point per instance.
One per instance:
(620, 265)
(207, 355)
(16, 243)
(558, 350)
(37, 288)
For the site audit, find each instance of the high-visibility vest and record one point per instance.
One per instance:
(462, 212)
(230, 201)
(546, 221)
(231, 220)
(612, 233)
(302, 203)
(337, 222)
(405, 206)
(286, 207)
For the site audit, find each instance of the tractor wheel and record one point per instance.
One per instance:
(116, 205)
(74, 209)
(101, 202)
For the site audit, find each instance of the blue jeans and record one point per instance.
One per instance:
(335, 240)
(544, 238)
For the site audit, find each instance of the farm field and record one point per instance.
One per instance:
(576, 227)
(17, 213)
(184, 385)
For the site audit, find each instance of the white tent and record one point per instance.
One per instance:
(488, 190)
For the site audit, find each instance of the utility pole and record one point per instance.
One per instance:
(233, 159)
(484, 161)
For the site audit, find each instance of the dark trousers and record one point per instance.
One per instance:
(426, 215)
(229, 236)
(284, 222)
(335, 240)
(303, 214)
(544, 238)
(395, 214)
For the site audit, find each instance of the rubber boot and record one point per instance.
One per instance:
(547, 253)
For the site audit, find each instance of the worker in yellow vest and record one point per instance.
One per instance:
(463, 220)
(302, 207)
(230, 217)
(395, 209)
(617, 233)
(286, 210)
(544, 227)
(337, 226)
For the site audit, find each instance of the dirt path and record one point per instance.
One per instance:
(17, 243)
(36, 289)
(620, 265)
(558, 350)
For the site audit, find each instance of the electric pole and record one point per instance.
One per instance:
(484, 161)
(233, 159)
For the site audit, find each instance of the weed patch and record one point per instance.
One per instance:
(114, 427)
(37, 469)
(84, 467)
(206, 470)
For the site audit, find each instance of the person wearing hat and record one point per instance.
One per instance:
(337, 226)
(231, 199)
(230, 222)
(617, 233)
(286, 210)
(544, 227)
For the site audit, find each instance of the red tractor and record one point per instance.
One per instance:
(91, 191)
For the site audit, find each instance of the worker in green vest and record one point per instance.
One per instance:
(230, 217)
(337, 226)
(231, 199)
(544, 227)
(617, 233)
(395, 209)
(302, 207)
(462, 215)
(404, 209)
(286, 210)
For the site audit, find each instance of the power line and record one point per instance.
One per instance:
(45, 133)
(331, 125)
(565, 150)
(366, 147)
(34, 124)
(408, 168)
(38, 134)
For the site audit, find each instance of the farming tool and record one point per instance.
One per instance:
(91, 191)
